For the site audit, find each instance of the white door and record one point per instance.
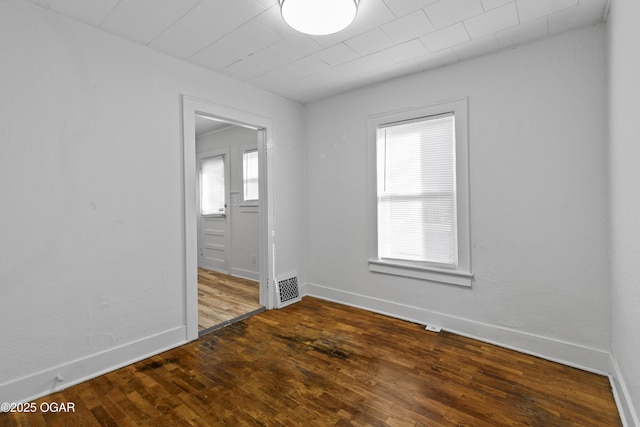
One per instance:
(213, 221)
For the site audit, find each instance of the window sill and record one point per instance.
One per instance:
(451, 277)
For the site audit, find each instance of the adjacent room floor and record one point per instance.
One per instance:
(223, 299)
(318, 363)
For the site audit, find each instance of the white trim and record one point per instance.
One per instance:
(566, 353)
(246, 274)
(42, 383)
(191, 106)
(451, 277)
(628, 414)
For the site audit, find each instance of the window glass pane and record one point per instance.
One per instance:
(416, 191)
(250, 175)
(212, 197)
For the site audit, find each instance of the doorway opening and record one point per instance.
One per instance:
(228, 199)
(227, 217)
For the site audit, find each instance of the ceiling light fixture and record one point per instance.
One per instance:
(319, 17)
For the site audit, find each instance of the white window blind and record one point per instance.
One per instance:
(250, 175)
(416, 190)
(212, 195)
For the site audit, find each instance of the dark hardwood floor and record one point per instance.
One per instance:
(317, 363)
(222, 298)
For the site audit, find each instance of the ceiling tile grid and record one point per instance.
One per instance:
(494, 20)
(370, 42)
(449, 12)
(408, 27)
(249, 41)
(446, 37)
(143, 20)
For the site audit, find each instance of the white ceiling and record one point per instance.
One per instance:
(248, 40)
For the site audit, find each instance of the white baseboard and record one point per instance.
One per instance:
(628, 415)
(246, 274)
(566, 353)
(44, 382)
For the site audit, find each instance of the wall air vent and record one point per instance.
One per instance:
(288, 292)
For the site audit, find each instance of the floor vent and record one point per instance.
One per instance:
(288, 291)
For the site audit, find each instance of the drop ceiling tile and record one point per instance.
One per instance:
(248, 39)
(297, 46)
(272, 19)
(143, 20)
(217, 56)
(271, 58)
(373, 62)
(492, 4)
(582, 15)
(445, 38)
(240, 43)
(404, 7)
(495, 20)
(523, 33)
(342, 73)
(277, 77)
(245, 69)
(444, 13)
(338, 54)
(408, 27)
(266, 3)
(309, 65)
(477, 47)
(253, 37)
(371, 14)
(197, 29)
(236, 13)
(406, 51)
(529, 10)
(91, 12)
(369, 42)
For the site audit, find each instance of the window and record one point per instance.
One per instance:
(250, 175)
(421, 194)
(212, 194)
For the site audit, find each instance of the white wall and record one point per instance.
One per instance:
(538, 200)
(91, 203)
(243, 218)
(624, 111)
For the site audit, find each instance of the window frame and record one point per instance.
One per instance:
(252, 202)
(461, 274)
(201, 187)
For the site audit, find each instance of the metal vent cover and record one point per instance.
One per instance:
(288, 292)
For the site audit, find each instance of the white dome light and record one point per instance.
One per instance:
(319, 17)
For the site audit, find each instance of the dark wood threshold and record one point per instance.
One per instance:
(230, 322)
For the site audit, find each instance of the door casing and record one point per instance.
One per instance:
(190, 107)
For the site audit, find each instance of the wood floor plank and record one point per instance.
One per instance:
(317, 363)
(222, 297)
